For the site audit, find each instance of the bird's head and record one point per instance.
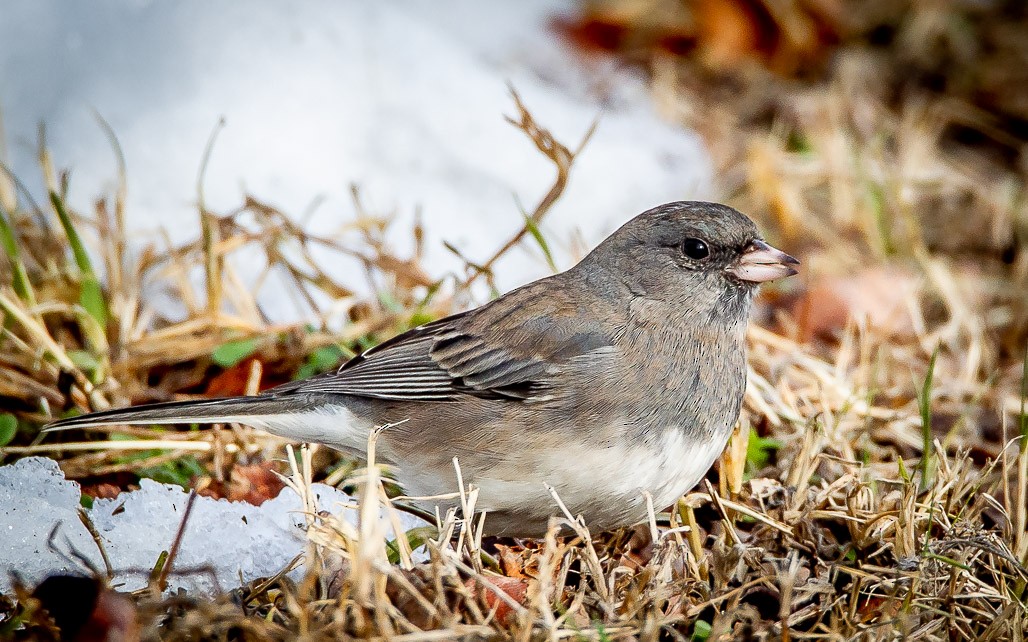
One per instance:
(695, 256)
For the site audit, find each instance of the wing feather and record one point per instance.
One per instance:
(452, 357)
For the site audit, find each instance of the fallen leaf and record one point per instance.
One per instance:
(880, 296)
(514, 587)
(232, 381)
(254, 484)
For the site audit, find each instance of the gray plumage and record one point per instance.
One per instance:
(623, 374)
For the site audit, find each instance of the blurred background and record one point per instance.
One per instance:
(404, 101)
(868, 118)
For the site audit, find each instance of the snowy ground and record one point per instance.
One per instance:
(224, 542)
(404, 99)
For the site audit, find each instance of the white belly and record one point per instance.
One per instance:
(607, 485)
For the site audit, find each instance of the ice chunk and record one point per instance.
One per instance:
(34, 496)
(225, 543)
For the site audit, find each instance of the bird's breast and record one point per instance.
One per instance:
(608, 483)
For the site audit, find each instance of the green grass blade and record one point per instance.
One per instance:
(214, 263)
(1023, 415)
(91, 298)
(949, 560)
(876, 201)
(91, 294)
(8, 428)
(232, 353)
(700, 631)
(20, 278)
(924, 402)
(320, 360)
(759, 449)
(77, 248)
(537, 234)
(416, 537)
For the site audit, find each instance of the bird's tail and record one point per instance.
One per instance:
(246, 410)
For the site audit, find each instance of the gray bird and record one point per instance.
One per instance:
(623, 374)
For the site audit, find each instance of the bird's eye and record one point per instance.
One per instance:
(695, 249)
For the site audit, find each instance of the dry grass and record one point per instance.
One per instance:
(877, 487)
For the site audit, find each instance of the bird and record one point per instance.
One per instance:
(613, 384)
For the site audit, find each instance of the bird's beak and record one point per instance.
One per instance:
(760, 262)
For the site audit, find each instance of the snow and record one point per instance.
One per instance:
(404, 99)
(224, 542)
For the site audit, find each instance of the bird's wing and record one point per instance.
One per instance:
(482, 353)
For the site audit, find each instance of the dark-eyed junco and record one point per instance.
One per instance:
(621, 375)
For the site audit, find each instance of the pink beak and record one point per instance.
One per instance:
(761, 262)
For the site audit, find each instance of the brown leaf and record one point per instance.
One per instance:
(102, 490)
(512, 560)
(730, 31)
(879, 295)
(232, 382)
(254, 484)
(514, 587)
(639, 551)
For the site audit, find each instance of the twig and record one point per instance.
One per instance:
(88, 523)
(562, 159)
(162, 578)
(213, 261)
